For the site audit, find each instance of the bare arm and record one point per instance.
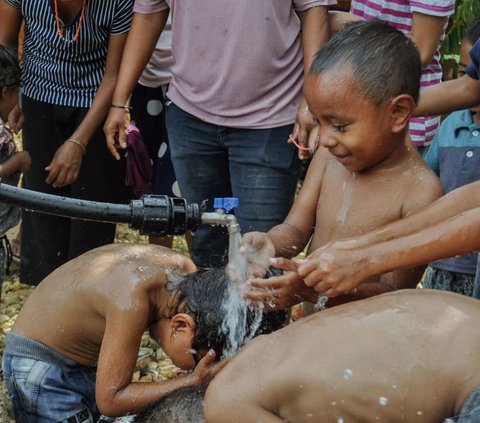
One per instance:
(143, 36)
(20, 162)
(315, 34)
(449, 96)
(341, 271)
(10, 22)
(426, 33)
(66, 163)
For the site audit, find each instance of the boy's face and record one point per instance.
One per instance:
(175, 341)
(352, 128)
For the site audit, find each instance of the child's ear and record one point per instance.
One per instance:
(401, 109)
(182, 323)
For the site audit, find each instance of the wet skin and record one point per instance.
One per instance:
(408, 356)
(95, 309)
(365, 174)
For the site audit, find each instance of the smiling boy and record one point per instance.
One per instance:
(362, 89)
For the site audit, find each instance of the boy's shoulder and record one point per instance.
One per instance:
(423, 185)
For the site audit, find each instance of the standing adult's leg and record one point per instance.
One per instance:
(201, 165)
(264, 171)
(45, 238)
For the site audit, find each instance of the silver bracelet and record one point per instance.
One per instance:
(321, 303)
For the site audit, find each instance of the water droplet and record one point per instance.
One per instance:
(347, 374)
(383, 401)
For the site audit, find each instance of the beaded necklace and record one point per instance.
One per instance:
(57, 20)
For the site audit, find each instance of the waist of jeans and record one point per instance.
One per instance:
(22, 346)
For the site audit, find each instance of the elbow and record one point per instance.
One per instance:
(109, 407)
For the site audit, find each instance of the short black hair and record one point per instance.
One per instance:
(473, 31)
(204, 294)
(183, 405)
(10, 74)
(381, 58)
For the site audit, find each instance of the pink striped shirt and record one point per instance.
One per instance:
(238, 63)
(399, 14)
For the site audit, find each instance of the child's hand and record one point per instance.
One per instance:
(24, 160)
(206, 369)
(280, 292)
(258, 249)
(334, 272)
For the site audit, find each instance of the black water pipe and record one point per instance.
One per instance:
(156, 215)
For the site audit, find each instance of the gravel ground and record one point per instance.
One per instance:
(153, 364)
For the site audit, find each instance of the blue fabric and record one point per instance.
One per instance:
(256, 165)
(455, 157)
(473, 69)
(46, 387)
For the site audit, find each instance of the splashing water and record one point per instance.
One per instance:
(241, 320)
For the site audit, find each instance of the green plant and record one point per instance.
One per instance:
(465, 12)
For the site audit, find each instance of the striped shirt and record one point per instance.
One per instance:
(399, 14)
(59, 70)
(238, 63)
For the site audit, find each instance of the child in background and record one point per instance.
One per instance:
(455, 157)
(366, 172)
(12, 163)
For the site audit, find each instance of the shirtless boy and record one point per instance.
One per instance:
(362, 88)
(86, 321)
(406, 356)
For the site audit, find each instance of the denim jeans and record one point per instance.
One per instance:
(476, 285)
(51, 389)
(256, 165)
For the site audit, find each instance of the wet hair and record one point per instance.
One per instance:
(381, 58)
(184, 405)
(473, 31)
(10, 74)
(202, 294)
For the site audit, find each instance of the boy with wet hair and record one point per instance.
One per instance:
(366, 172)
(184, 405)
(72, 350)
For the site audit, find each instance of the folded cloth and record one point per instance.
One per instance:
(139, 165)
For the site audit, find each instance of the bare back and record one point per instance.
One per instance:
(406, 356)
(68, 310)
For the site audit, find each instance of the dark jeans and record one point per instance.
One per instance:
(255, 165)
(476, 286)
(49, 241)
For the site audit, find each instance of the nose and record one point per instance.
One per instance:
(327, 140)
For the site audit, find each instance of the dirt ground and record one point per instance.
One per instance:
(152, 365)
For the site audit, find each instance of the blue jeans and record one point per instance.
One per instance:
(256, 165)
(46, 387)
(476, 286)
